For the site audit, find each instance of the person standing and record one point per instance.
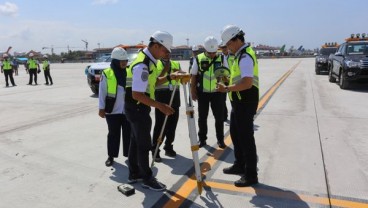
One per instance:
(7, 69)
(166, 67)
(195, 52)
(203, 88)
(15, 66)
(33, 68)
(243, 93)
(46, 70)
(140, 93)
(111, 98)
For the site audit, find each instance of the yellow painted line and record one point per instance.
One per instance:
(191, 184)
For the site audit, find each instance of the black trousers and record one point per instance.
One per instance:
(117, 125)
(47, 76)
(140, 143)
(226, 113)
(172, 121)
(9, 74)
(32, 72)
(216, 100)
(242, 136)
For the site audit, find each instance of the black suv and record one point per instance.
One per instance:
(350, 62)
(322, 58)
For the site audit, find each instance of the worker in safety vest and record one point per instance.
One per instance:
(142, 77)
(195, 52)
(7, 69)
(112, 104)
(166, 67)
(203, 88)
(46, 70)
(243, 91)
(33, 68)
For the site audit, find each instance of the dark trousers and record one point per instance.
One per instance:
(9, 74)
(226, 113)
(117, 125)
(140, 143)
(47, 76)
(32, 72)
(216, 101)
(172, 121)
(242, 136)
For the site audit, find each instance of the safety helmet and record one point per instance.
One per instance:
(31, 54)
(210, 44)
(164, 38)
(195, 48)
(229, 32)
(45, 56)
(5, 55)
(119, 54)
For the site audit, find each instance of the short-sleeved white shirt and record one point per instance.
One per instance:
(246, 63)
(141, 73)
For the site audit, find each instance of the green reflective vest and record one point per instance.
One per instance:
(206, 76)
(249, 95)
(32, 64)
(174, 66)
(45, 64)
(152, 69)
(112, 83)
(7, 65)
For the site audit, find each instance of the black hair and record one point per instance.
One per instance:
(239, 36)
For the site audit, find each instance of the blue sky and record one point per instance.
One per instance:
(33, 24)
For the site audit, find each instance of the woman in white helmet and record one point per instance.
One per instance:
(111, 98)
(203, 88)
(243, 93)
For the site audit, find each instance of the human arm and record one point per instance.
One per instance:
(102, 93)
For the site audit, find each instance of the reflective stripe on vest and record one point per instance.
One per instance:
(111, 82)
(7, 65)
(142, 58)
(236, 73)
(45, 64)
(207, 78)
(174, 66)
(32, 64)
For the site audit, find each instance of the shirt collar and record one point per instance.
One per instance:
(241, 48)
(149, 54)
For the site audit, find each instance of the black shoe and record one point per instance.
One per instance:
(202, 144)
(170, 153)
(29, 84)
(109, 161)
(222, 145)
(46, 83)
(134, 178)
(51, 83)
(234, 169)
(244, 182)
(7, 85)
(36, 83)
(153, 184)
(14, 85)
(158, 158)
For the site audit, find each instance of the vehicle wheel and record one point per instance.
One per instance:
(330, 77)
(318, 71)
(344, 84)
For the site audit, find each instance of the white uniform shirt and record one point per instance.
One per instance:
(246, 63)
(120, 97)
(194, 70)
(141, 73)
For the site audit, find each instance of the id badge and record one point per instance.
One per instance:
(170, 87)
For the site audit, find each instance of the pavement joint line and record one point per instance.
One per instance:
(190, 184)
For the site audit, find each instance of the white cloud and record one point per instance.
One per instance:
(8, 9)
(103, 2)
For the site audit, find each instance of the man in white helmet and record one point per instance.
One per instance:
(203, 88)
(140, 97)
(195, 52)
(243, 93)
(7, 69)
(111, 98)
(33, 67)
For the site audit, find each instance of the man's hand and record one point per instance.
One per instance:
(101, 113)
(193, 92)
(166, 109)
(221, 87)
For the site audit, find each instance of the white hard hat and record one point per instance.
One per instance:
(119, 54)
(5, 55)
(45, 56)
(31, 54)
(164, 38)
(195, 48)
(229, 32)
(210, 44)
